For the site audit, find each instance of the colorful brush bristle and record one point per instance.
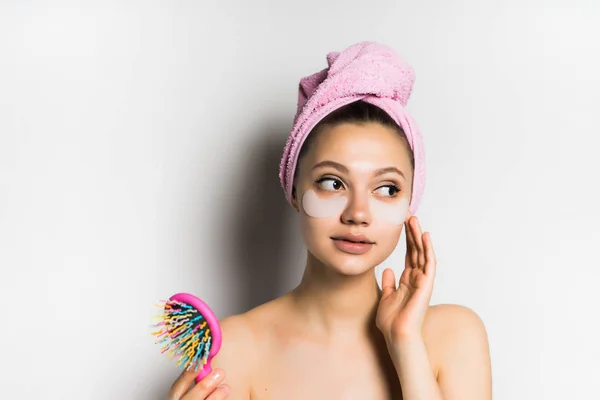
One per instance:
(189, 331)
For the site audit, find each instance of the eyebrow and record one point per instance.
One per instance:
(343, 169)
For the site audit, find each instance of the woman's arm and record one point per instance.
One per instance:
(237, 356)
(465, 366)
(414, 371)
(462, 354)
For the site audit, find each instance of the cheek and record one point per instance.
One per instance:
(317, 207)
(389, 214)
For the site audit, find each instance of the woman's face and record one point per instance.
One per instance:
(355, 179)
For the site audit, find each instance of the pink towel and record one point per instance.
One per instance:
(367, 71)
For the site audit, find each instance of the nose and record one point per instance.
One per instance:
(357, 210)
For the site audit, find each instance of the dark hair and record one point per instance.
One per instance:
(358, 112)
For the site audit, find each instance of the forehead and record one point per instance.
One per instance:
(354, 144)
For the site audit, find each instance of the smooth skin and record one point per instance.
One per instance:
(337, 335)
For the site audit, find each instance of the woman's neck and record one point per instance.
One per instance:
(337, 305)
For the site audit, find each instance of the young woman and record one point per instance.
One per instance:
(353, 169)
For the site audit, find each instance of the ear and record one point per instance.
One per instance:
(295, 200)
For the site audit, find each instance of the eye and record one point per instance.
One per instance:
(392, 190)
(330, 184)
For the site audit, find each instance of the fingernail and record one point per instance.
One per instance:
(216, 375)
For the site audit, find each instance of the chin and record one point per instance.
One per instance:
(349, 267)
(349, 264)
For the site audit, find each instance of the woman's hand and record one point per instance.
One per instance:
(401, 311)
(207, 389)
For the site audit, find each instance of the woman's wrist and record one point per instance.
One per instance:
(411, 360)
(402, 343)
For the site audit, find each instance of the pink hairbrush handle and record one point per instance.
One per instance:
(204, 371)
(213, 324)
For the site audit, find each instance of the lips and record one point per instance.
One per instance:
(354, 246)
(354, 238)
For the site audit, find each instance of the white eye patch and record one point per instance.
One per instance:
(391, 213)
(316, 207)
(333, 206)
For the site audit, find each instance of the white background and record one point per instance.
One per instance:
(139, 151)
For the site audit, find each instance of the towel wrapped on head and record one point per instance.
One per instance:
(367, 71)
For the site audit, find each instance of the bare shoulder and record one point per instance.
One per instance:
(453, 318)
(237, 355)
(449, 325)
(458, 343)
(243, 338)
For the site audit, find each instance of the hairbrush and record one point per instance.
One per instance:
(189, 331)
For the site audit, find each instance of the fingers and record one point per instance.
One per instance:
(388, 281)
(220, 392)
(404, 283)
(182, 384)
(418, 240)
(205, 387)
(430, 261)
(412, 257)
(416, 251)
(202, 389)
